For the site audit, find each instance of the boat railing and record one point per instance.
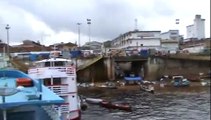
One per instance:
(44, 72)
(60, 90)
(64, 108)
(53, 113)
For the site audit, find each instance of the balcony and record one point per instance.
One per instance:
(64, 108)
(60, 90)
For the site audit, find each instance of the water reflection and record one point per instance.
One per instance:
(146, 106)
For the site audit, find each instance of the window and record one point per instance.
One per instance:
(47, 82)
(174, 33)
(57, 81)
(47, 64)
(59, 63)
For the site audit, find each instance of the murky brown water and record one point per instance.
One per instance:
(165, 104)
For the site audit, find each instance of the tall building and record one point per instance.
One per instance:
(137, 40)
(170, 40)
(197, 29)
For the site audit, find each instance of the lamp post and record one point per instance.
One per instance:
(89, 23)
(8, 49)
(79, 34)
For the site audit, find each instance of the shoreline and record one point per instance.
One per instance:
(195, 87)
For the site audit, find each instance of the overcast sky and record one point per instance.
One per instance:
(55, 21)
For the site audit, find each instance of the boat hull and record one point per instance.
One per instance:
(147, 88)
(119, 106)
(93, 101)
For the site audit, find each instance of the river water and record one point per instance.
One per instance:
(168, 105)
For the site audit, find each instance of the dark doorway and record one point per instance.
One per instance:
(21, 115)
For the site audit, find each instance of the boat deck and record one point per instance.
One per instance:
(32, 95)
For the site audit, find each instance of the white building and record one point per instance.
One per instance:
(170, 35)
(170, 40)
(137, 40)
(196, 30)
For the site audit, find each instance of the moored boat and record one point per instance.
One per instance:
(119, 106)
(94, 100)
(109, 85)
(180, 81)
(147, 86)
(23, 97)
(133, 79)
(59, 75)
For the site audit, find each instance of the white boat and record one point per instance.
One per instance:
(147, 86)
(59, 75)
(94, 100)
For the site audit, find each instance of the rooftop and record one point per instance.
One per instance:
(25, 96)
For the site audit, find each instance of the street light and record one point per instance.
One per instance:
(78, 34)
(8, 50)
(89, 23)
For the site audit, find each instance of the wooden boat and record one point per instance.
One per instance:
(147, 86)
(194, 78)
(109, 85)
(94, 100)
(119, 106)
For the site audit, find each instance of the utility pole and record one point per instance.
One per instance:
(79, 34)
(8, 49)
(89, 23)
(136, 25)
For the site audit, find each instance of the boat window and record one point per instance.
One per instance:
(59, 63)
(47, 64)
(57, 81)
(47, 82)
(38, 65)
(70, 63)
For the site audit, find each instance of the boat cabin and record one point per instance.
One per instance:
(53, 62)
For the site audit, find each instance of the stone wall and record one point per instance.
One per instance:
(158, 67)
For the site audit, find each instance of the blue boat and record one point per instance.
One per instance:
(24, 98)
(179, 81)
(133, 79)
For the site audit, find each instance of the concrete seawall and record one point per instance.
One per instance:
(186, 67)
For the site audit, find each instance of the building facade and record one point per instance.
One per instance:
(170, 35)
(197, 29)
(137, 40)
(170, 40)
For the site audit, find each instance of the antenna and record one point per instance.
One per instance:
(136, 24)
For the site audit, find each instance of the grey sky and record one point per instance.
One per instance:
(30, 19)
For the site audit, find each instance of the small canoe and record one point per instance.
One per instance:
(147, 88)
(94, 100)
(119, 106)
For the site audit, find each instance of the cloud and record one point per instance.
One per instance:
(109, 18)
(162, 8)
